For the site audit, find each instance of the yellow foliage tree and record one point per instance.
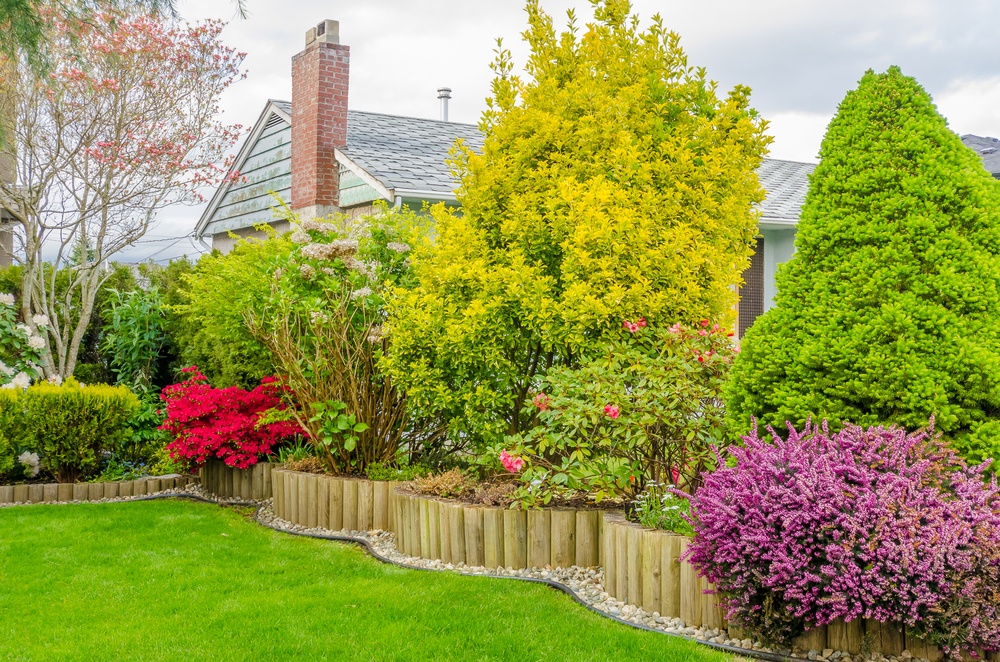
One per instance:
(613, 183)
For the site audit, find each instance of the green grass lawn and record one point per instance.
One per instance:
(176, 580)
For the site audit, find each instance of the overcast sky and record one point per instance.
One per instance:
(799, 57)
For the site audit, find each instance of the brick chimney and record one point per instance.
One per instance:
(320, 75)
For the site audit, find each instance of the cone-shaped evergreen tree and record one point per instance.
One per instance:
(889, 312)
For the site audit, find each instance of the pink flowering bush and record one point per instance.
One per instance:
(646, 407)
(866, 523)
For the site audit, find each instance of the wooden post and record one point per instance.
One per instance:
(64, 493)
(36, 493)
(634, 569)
(295, 494)
(393, 509)
(539, 538)
(350, 504)
(365, 505)
(651, 577)
(457, 526)
(812, 640)
(848, 637)
(336, 504)
(515, 543)
(267, 489)
(311, 515)
(153, 486)
(95, 491)
(433, 550)
(21, 493)
(323, 502)
(380, 506)
(278, 489)
(621, 560)
(6, 494)
(921, 649)
(111, 490)
(886, 638)
(398, 530)
(588, 539)
(690, 591)
(415, 537)
(50, 492)
(475, 537)
(493, 538)
(670, 576)
(609, 543)
(426, 546)
(563, 538)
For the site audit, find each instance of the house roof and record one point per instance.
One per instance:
(406, 157)
(786, 184)
(988, 149)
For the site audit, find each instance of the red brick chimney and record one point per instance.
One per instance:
(320, 75)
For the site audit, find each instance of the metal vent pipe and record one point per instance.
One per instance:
(444, 94)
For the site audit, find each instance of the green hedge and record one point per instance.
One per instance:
(68, 426)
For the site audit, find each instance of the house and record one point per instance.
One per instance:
(318, 157)
(988, 150)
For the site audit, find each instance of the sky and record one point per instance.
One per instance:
(799, 57)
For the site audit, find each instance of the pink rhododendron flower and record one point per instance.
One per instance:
(631, 327)
(510, 462)
(676, 328)
(542, 401)
(641, 323)
(611, 411)
(704, 323)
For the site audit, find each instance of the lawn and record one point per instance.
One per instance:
(175, 580)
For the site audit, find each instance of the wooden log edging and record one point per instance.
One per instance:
(65, 492)
(643, 567)
(253, 484)
(440, 529)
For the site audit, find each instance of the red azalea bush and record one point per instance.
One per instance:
(867, 523)
(223, 423)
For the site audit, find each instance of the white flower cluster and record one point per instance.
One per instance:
(6, 370)
(300, 237)
(338, 248)
(7, 299)
(40, 320)
(36, 342)
(31, 462)
(361, 293)
(375, 335)
(57, 380)
(21, 380)
(318, 317)
(398, 247)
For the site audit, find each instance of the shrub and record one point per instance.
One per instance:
(212, 333)
(613, 180)
(134, 337)
(9, 430)
(889, 311)
(866, 523)
(22, 348)
(322, 322)
(71, 426)
(223, 423)
(648, 408)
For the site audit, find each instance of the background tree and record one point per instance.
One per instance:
(889, 312)
(119, 126)
(614, 183)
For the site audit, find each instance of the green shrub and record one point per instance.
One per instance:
(657, 507)
(614, 181)
(70, 425)
(216, 294)
(647, 409)
(889, 312)
(9, 429)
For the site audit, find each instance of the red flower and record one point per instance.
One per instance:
(642, 322)
(611, 411)
(542, 401)
(704, 322)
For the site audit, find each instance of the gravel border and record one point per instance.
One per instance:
(584, 585)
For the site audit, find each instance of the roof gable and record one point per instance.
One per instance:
(265, 165)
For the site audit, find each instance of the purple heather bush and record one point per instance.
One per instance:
(866, 523)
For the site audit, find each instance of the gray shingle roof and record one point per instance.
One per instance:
(406, 153)
(988, 149)
(786, 184)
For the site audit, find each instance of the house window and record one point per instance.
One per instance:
(752, 290)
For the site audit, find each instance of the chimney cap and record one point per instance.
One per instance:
(327, 32)
(444, 93)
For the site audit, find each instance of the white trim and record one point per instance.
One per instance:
(426, 195)
(363, 175)
(270, 108)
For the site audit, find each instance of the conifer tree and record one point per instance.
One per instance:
(889, 311)
(614, 183)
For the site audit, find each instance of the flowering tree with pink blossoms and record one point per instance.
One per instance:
(121, 123)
